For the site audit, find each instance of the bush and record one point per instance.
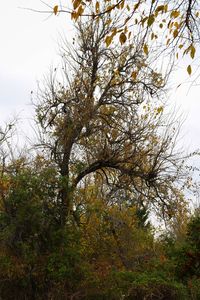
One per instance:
(139, 286)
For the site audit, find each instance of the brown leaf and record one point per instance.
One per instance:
(97, 7)
(76, 3)
(122, 38)
(145, 48)
(134, 75)
(55, 9)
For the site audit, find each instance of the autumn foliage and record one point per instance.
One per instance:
(167, 27)
(77, 213)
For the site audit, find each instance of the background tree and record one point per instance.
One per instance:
(35, 253)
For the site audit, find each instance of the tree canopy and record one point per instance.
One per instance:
(100, 121)
(166, 27)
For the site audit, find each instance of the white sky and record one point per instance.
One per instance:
(28, 49)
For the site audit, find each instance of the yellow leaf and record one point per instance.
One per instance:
(55, 9)
(159, 109)
(134, 75)
(145, 48)
(108, 22)
(192, 51)
(80, 10)
(122, 38)
(160, 8)
(97, 7)
(122, 4)
(117, 73)
(177, 25)
(189, 70)
(109, 8)
(114, 31)
(169, 24)
(174, 14)
(108, 40)
(151, 20)
(76, 3)
(74, 15)
(144, 20)
(175, 33)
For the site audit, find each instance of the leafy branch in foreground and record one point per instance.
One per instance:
(169, 28)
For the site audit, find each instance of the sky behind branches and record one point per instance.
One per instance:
(29, 47)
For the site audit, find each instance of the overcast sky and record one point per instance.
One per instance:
(29, 48)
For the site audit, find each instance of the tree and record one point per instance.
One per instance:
(37, 257)
(74, 212)
(170, 27)
(188, 258)
(100, 123)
